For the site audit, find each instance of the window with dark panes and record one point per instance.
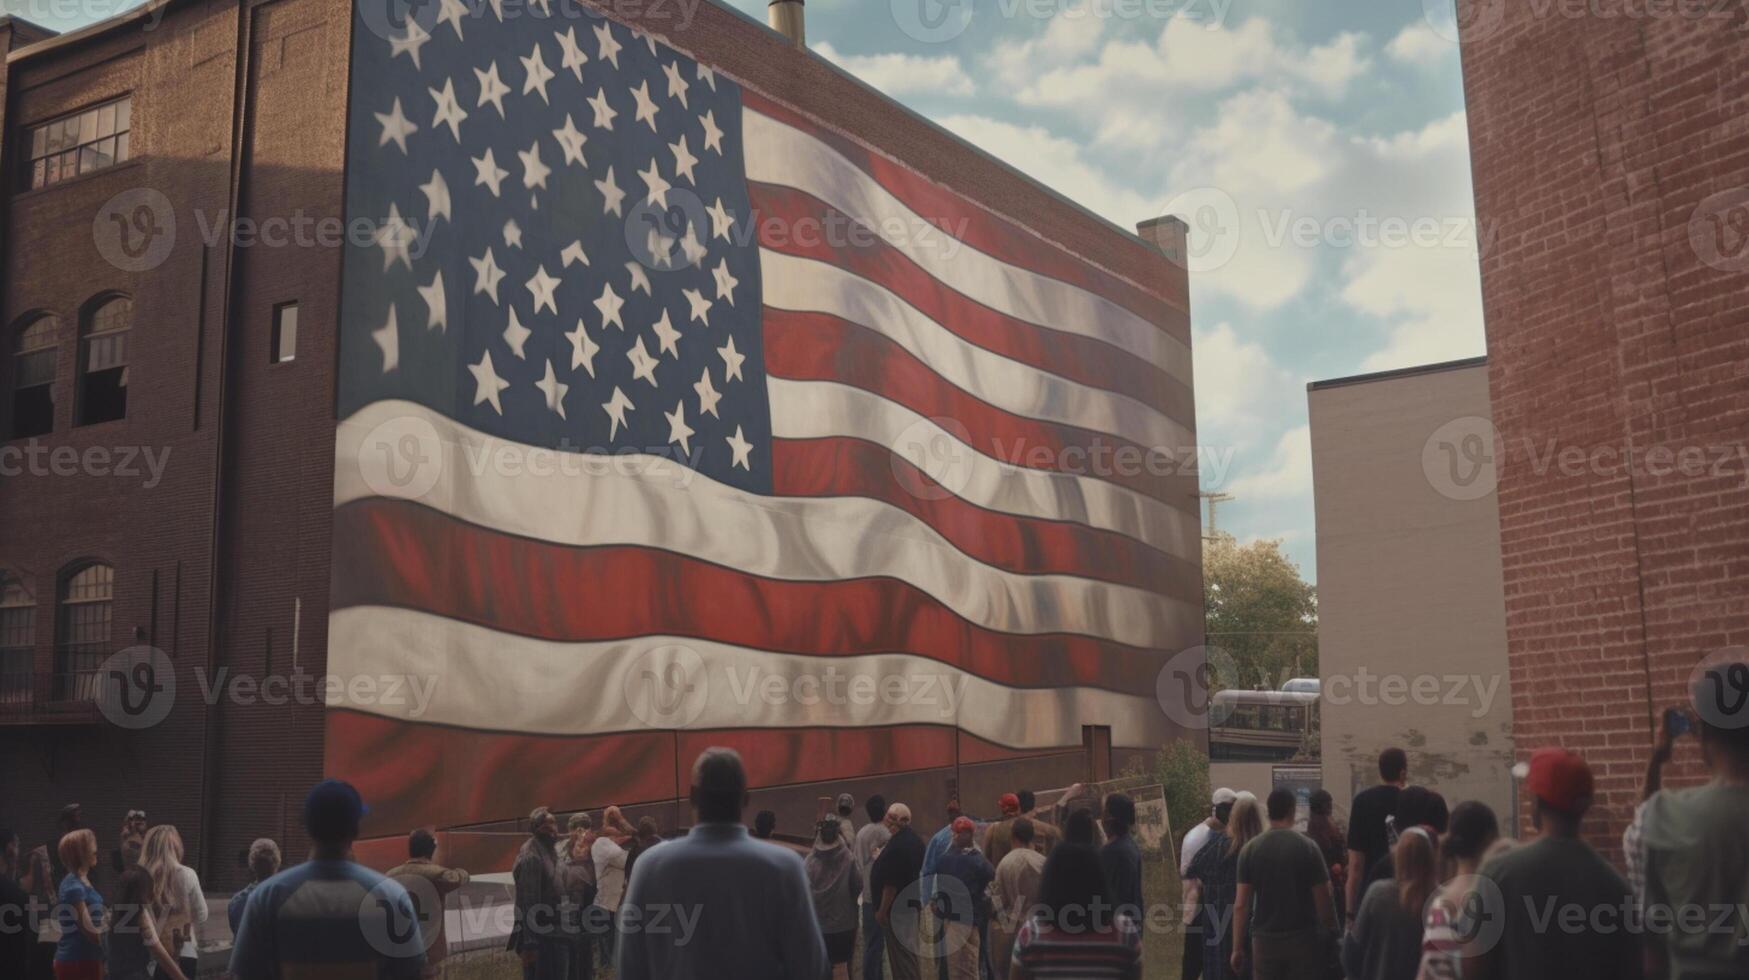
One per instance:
(17, 640)
(33, 379)
(285, 333)
(103, 362)
(83, 142)
(83, 637)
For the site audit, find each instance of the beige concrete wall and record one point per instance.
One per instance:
(1412, 635)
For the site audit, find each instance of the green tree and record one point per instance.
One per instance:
(1259, 611)
(1182, 770)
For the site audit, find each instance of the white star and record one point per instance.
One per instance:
(713, 137)
(498, 8)
(678, 430)
(396, 126)
(515, 334)
(659, 246)
(492, 88)
(451, 13)
(707, 395)
(658, 188)
(612, 194)
(487, 171)
(582, 349)
(609, 44)
(436, 304)
(616, 408)
(726, 283)
(692, 247)
(683, 160)
(449, 111)
(604, 113)
(436, 197)
(648, 39)
(553, 391)
(741, 448)
(487, 275)
(388, 337)
(707, 76)
(643, 365)
(487, 384)
(541, 288)
(646, 110)
(640, 278)
(544, 5)
(534, 172)
(676, 85)
(701, 307)
(732, 359)
(394, 236)
(667, 337)
(538, 74)
(609, 305)
(722, 222)
(512, 233)
(571, 142)
(409, 43)
(574, 253)
(574, 58)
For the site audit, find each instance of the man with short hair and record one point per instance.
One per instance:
(932, 926)
(963, 910)
(1018, 880)
(263, 860)
(1044, 833)
(717, 903)
(329, 916)
(537, 934)
(896, 872)
(1690, 847)
(1284, 917)
(869, 841)
(1121, 857)
(1368, 839)
(1553, 882)
(577, 876)
(610, 854)
(430, 884)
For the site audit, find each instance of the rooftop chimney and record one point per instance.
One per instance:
(785, 17)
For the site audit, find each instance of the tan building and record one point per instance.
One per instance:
(1412, 633)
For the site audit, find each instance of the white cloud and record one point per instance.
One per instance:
(1287, 474)
(1419, 45)
(903, 74)
(1239, 387)
(1055, 162)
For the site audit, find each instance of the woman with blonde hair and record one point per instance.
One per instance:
(183, 902)
(79, 956)
(1385, 943)
(1216, 865)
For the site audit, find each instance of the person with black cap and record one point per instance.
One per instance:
(537, 934)
(1563, 911)
(717, 904)
(330, 916)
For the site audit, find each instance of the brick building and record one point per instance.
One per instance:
(1611, 167)
(138, 328)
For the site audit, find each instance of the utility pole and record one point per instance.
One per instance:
(1214, 497)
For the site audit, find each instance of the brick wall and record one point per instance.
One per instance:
(1607, 147)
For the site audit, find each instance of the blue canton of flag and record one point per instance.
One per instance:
(558, 258)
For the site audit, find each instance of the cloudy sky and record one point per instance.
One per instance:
(1318, 151)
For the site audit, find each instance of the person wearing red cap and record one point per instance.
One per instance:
(999, 836)
(963, 910)
(1563, 911)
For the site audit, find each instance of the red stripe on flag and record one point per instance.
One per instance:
(1074, 356)
(843, 466)
(384, 548)
(1161, 304)
(822, 347)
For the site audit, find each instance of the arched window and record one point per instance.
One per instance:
(33, 378)
(87, 597)
(17, 640)
(103, 361)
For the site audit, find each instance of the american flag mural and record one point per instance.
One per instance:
(653, 389)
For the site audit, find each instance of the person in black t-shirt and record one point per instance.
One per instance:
(1368, 841)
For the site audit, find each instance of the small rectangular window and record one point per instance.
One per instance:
(285, 333)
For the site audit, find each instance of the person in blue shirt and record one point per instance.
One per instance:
(329, 917)
(79, 910)
(963, 878)
(263, 864)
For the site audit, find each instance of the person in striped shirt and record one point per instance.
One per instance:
(1076, 931)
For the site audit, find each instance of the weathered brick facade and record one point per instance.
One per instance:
(1611, 163)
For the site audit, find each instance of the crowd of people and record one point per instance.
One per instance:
(1411, 889)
